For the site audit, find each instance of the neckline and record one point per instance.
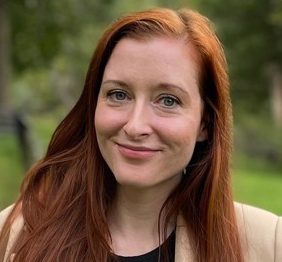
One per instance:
(151, 254)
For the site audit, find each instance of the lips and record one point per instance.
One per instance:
(136, 152)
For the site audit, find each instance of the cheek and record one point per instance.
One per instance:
(102, 123)
(107, 121)
(179, 131)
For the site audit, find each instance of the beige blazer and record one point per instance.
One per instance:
(260, 232)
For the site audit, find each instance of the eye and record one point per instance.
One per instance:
(169, 101)
(117, 95)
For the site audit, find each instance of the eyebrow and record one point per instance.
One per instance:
(167, 86)
(170, 86)
(121, 83)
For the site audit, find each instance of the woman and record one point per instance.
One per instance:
(139, 169)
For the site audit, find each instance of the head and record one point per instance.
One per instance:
(211, 154)
(74, 165)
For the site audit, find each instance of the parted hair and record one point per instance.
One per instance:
(66, 196)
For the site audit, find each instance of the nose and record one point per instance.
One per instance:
(138, 124)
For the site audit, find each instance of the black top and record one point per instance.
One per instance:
(153, 255)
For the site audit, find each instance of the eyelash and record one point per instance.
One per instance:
(175, 100)
(112, 95)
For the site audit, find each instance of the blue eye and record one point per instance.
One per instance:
(117, 95)
(169, 101)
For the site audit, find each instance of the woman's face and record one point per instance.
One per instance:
(149, 111)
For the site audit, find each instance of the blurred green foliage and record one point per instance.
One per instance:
(251, 32)
(51, 45)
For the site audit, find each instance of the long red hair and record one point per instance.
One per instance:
(65, 197)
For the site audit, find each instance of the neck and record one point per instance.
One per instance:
(134, 218)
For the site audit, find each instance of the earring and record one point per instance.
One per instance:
(184, 171)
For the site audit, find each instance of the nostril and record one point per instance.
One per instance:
(135, 132)
(136, 129)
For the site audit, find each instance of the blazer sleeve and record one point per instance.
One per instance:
(3, 216)
(261, 234)
(15, 230)
(278, 241)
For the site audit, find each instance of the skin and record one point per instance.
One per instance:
(148, 119)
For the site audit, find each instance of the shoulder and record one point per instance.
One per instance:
(15, 229)
(261, 233)
(4, 214)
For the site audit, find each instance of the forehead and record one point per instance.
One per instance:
(160, 55)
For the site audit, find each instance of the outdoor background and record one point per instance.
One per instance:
(45, 48)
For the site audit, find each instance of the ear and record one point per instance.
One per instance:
(203, 134)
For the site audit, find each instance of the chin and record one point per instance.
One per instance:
(136, 182)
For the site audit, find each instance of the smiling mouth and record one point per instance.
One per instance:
(136, 152)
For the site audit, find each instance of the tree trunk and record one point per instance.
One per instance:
(9, 121)
(276, 95)
(4, 59)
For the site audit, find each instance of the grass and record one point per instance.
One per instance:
(258, 183)
(261, 190)
(11, 170)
